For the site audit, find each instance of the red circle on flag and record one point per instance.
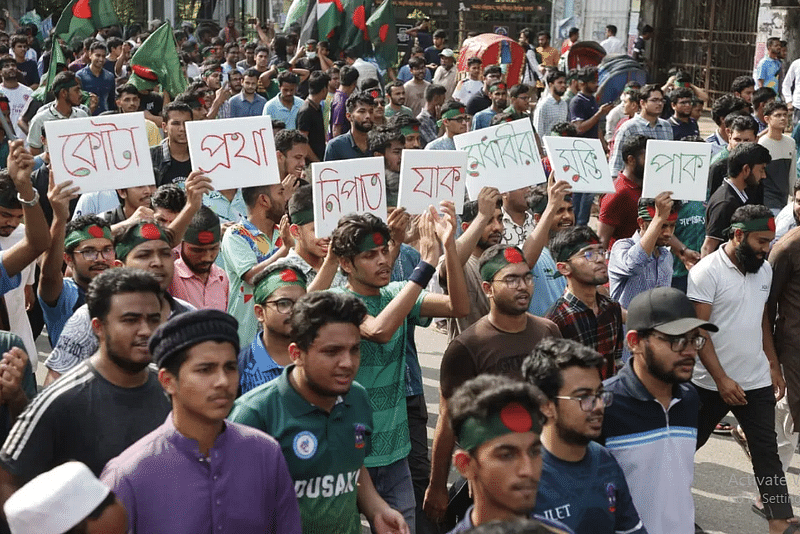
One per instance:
(288, 275)
(383, 33)
(771, 224)
(512, 255)
(205, 237)
(150, 231)
(516, 418)
(82, 9)
(377, 238)
(95, 231)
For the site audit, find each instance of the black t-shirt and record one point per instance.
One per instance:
(311, 65)
(478, 102)
(86, 418)
(30, 70)
(720, 208)
(309, 119)
(151, 102)
(719, 171)
(177, 171)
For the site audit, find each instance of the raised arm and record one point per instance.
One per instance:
(51, 279)
(536, 240)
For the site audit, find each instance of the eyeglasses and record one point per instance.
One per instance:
(514, 281)
(679, 343)
(588, 402)
(283, 306)
(91, 254)
(594, 255)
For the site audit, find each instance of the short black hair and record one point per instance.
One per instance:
(587, 74)
(434, 90)
(314, 310)
(647, 90)
(169, 197)
(763, 95)
(551, 356)
(647, 29)
(115, 282)
(358, 98)
(633, 146)
(175, 106)
(573, 31)
(554, 74)
(440, 33)
(740, 83)
(401, 120)
(569, 237)
(288, 77)
(8, 191)
(318, 82)
(126, 89)
(416, 62)
(474, 60)
(301, 200)
(81, 222)
(470, 210)
(741, 123)
(774, 106)
(252, 73)
(727, 104)
(680, 92)
(352, 228)
(97, 45)
(750, 154)
(286, 139)
(487, 394)
(348, 76)
(611, 28)
(519, 89)
(492, 69)
(381, 138)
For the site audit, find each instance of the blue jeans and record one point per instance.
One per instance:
(582, 205)
(393, 483)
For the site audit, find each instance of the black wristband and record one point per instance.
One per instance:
(422, 274)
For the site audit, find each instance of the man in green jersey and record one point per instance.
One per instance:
(322, 418)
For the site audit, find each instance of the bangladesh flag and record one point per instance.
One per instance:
(329, 16)
(355, 34)
(156, 61)
(383, 34)
(81, 18)
(297, 14)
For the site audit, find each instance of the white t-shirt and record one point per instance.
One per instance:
(467, 89)
(18, 98)
(15, 299)
(737, 307)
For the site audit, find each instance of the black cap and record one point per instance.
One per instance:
(667, 310)
(191, 328)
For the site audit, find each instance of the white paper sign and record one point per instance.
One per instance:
(347, 186)
(581, 162)
(429, 176)
(677, 166)
(234, 152)
(100, 153)
(503, 156)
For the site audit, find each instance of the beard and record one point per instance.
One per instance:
(363, 127)
(559, 93)
(658, 369)
(127, 366)
(573, 437)
(638, 172)
(748, 258)
(509, 306)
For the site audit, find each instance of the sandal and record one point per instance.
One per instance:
(723, 428)
(738, 435)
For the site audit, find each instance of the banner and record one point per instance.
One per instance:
(581, 162)
(429, 176)
(678, 166)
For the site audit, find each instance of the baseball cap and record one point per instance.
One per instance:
(667, 310)
(446, 52)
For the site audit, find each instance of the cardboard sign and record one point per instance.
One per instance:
(347, 186)
(503, 156)
(677, 166)
(234, 152)
(429, 176)
(100, 153)
(581, 162)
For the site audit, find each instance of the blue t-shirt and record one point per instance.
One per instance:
(548, 284)
(583, 108)
(71, 298)
(466, 523)
(102, 86)
(587, 496)
(256, 366)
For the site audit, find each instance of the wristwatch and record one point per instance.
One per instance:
(32, 202)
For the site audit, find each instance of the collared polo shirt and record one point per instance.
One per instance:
(279, 112)
(241, 107)
(655, 449)
(637, 125)
(234, 210)
(325, 451)
(48, 113)
(344, 147)
(209, 295)
(243, 484)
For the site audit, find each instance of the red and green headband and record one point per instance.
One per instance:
(410, 129)
(195, 236)
(648, 213)
(756, 225)
(141, 233)
(567, 252)
(277, 279)
(512, 418)
(503, 258)
(371, 241)
(93, 231)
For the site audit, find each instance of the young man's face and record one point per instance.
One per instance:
(331, 362)
(474, 71)
(137, 197)
(543, 41)
(97, 58)
(262, 58)
(372, 268)
(199, 258)
(214, 80)
(683, 107)
(438, 42)
(393, 156)
(124, 332)
(378, 112)
(572, 424)
(736, 137)
(164, 216)
(589, 87)
(630, 106)
(176, 126)
(304, 235)
(418, 72)
(269, 314)
(361, 117)
(493, 232)
(589, 271)
(654, 104)
(757, 173)
(491, 79)
(232, 55)
(10, 219)
(778, 119)
(249, 85)
(397, 95)
(663, 363)
(294, 161)
(288, 91)
(20, 49)
(747, 94)
(333, 85)
(456, 125)
(84, 269)
(565, 217)
(154, 256)
(559, 86)
(9, 70)
(207, 381)
(235, 80)
(510, 289)
(412, 141)
(128, 103)
(499, 99)
(664, 237)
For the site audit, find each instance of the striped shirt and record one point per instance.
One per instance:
(637, 125)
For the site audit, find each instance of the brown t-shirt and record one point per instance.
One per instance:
(484, 349)
(785, 293)
(415, 95)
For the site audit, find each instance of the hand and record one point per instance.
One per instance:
(487, 201)
(435, 503)
(197, 184)
(20, 166)
(778, 383)
(445, 224)
(141, 214)
(390, 521)
(664, 204)
(690, 258)
(429, 248)
(731, 392)
(12, 368)
(398, 223)
(557, 191)
(412, 232)
(286, 235)
(224, 92)
(59, 196)
(605, 108)
(290, 184)
(93, 101)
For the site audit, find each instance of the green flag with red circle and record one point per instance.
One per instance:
(81, 18)
(383, 34)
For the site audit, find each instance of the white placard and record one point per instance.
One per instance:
(503, 156)
(581, 162)
(234, 153)
(429, 176)
(347, 186)
(100, 153)
(677, 166)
